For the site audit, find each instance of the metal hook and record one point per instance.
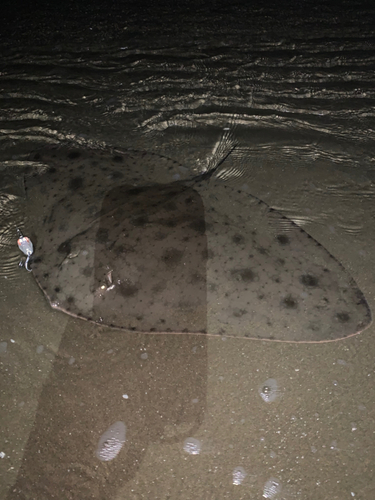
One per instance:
(25, 245)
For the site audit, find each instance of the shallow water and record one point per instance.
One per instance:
(297, 83)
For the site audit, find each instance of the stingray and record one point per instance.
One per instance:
(121, 240)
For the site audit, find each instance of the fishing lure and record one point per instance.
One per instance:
(25, 245)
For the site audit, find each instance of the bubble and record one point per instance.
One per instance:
(272, 489)
(111, 442)
(269, 390)
(333, 446)
(40, 349)
(239, 475)
(144, 355)
(192, 446)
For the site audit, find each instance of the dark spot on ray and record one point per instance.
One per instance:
(37, 156)
(102, 235)
(313, 327)
(135, 191)
(343, 317)
(76, 183)
(140, 221)
(170, 206)
(198, 225)
(289, 302)
(37, 260)
(45, 275)
(262, 250)
(117, 175)
(118, 158)
(127, 290)
(119, 249)
(159, 287)
(283, 239)
(197, 278)
(309, 280)
(171, 223)
(238, 313)
(172, 256)
(70, 299)
(57, 289)
(172, 192)
(246, 275)
(238, 239)
(52, 170)
(159, 236)
(87, 271)
(65, 247)
(73, 155)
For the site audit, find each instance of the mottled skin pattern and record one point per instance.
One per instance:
(123, 244)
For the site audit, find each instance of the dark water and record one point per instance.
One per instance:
(297, 81)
